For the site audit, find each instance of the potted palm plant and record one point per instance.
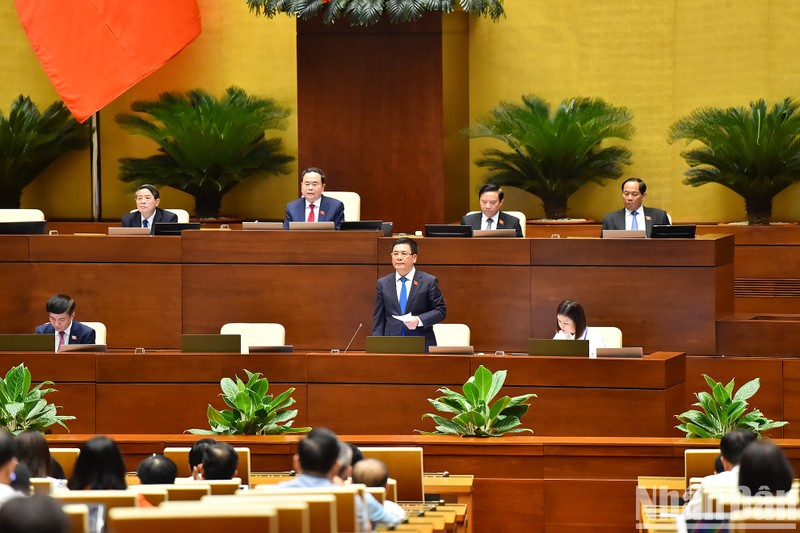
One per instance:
(754, 152)
(552, 154)
(206, 146)
(30, 141)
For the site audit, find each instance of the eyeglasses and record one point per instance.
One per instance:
(401, 254)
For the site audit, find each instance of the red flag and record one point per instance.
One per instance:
(94, 50)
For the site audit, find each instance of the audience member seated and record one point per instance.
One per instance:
(21, 482)
(220, 461)
(147, 211)
(99, 466)
(373, 473)
(8, 463)
(764, 470)
(316, 460)
(34, 452)
(62, 324)
(731, 446)
(196, 456)
(634, 216)
(491, 199)
(313, 206)
(37, 514)
(571, 325)
(157, 470)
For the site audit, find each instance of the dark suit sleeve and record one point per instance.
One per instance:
(437, 309)
(127, 220)
(168, 216)
(288, 216)
(517, 226)
(379, 314)
(338, 215)
(88, 337)
(40, 330)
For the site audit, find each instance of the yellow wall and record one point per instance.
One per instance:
(660, 59)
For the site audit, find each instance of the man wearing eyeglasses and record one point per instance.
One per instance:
(408, 293)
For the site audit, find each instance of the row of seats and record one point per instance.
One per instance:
(36, 215)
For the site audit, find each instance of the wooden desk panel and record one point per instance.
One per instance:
(59, 368)
(462, 251)
(319, 305)
(138, 303)
(791, 398)
(16, 302)
(375, 369)
(15, 248)
(605, 505)
(280, 247)
(78, 400)
(759, 334)
(105, 249)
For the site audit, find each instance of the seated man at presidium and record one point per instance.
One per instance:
(490, 217)
(408, 293)
(313, 206)
(571, 325)
(147, 211)
(62, 325)
(633, 215)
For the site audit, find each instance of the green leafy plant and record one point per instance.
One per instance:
(252, 411)
(23, 408)
(206, 146)
(369, 12)
(723, 411)
(30, 141)
(754, 152)
(473, 414)
(553, 154)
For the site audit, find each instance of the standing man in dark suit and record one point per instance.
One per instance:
(490, 217)
(147, 211)
(63, 325)
(634, 216)
(408, 292)
(312, 206)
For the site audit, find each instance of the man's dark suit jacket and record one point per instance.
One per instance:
(425, 301)
(78, 334)
(506, 222)
(134, 220)
(616, 220)
(330, 210)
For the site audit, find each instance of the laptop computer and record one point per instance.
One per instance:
(452, 350)
(558, 347)
(173, 228)
(312, 226)
(363, 225)
(494, 233)
(262, 225)
(27, 342)
(390, 344)
(624, 234)
(271, 349)
(630, 352)
(83, 348)
(23, 228)
(210, 342)
(682, 231)
(115, 230)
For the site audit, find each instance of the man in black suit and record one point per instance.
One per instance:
(147, 211)
(408, 292)
(313, 206)
(490, 217)
(63, 325)
(633, 216)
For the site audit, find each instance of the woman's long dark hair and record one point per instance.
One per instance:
(99, 466)
(33, 452)
(574, 311)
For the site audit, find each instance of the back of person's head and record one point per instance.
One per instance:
(33, 452)
(357, 455)
(8, 456)
(492, 187)
(764, 470)
(574, 311)
(345, 460)
(60, 303)
(733, 444)
(318, 451)
(371, 472)
(196, 452)
(22, 480)
(37, 514)
(220, 461)
(99, 466)
(156, 470)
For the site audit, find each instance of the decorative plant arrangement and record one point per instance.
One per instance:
(723, 411)
(252, 411)
(30, 141)
(23, 408)
(473, 414)
(552, 154)
(368, 12)
(206, 146)
(754, 152)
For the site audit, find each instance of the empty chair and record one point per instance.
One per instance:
(519, 214)
(351, 201)
(66, 457)
(21, 215)
(452, 334)
(183, 215)
(197, 519)
(99, 331)
(404, 465)
(612, 337)
(256, 333)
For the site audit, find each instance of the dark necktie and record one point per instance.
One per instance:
(60, 340)
(145, 224)
(489, 223)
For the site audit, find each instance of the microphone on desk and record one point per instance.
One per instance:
(353, 337)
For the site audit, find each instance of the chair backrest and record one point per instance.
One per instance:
(154, 494)
(99, 331)
(78, 517)
(42, 485)
(21, 215)
(111, 499)
(66, 457)
(351, 201)
(346, 507)
(321, 507)
(404, 465)
(183, 215)
(256, 333)
(452, 334)
(612, 337)
(197, 519)
(523, 220)
(294, 516)
(699, 462)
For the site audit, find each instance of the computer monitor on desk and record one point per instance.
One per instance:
(447, 230)
(173, 228)
(684, 231)
(23, 228)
